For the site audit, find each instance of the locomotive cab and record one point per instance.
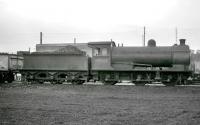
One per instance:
(101, 59)
(101, 55)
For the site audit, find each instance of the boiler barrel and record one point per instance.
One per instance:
(155, 56)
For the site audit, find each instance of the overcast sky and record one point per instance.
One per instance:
(97, 20)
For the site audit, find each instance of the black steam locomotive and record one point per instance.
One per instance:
(104, 61)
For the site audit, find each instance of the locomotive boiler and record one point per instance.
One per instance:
(166, 56)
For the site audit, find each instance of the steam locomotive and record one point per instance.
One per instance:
(104, 61)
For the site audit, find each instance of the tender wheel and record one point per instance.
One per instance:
(52, 82)
(41, 82)
(33, 82)
(10, 78)
(77, 82)
(57, 82)
(9, 81)
(1, 79)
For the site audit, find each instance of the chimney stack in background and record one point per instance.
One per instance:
(40, 37)
(74, 40)
(182, 42)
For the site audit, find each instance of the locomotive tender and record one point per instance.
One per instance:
(104, 61)
(65, 64)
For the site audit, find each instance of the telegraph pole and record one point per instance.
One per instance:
(176, 31)
(144, 36)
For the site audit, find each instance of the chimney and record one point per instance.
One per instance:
(40, 37)
(74, 40)
(182, 42)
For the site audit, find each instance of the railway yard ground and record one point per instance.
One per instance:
(47, 104)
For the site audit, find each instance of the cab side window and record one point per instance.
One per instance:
(101, 52)
(104, 51)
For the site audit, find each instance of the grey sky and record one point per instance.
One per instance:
(96, 20)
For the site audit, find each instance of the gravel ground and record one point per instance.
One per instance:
(46, 104)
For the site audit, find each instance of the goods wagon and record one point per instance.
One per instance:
(66, 64)
(141, 65)
(9, 65)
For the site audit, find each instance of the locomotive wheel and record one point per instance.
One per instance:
(169, 83)
(172, 82)
(59, 82)
(109, 82)
(140, 83)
